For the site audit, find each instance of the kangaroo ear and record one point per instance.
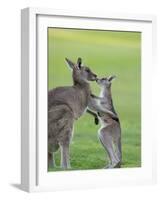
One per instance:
(110, 78)
(70, 63)
(79, 62)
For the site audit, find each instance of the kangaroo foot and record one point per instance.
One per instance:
(117, 165)
(113, 165)
(64, 167)
(51, 164)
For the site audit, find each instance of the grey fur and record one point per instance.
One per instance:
(110, 131)
(65, 105)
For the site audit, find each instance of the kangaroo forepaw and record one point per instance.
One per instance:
(96, 121)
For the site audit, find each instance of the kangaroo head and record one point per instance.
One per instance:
(81, 73)
(105, 82)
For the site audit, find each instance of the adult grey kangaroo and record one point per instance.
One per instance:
(110, 131)
(65, 105)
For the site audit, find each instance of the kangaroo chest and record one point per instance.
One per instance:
(80, 103)
(106, 102)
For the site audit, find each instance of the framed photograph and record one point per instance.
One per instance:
(87, 113)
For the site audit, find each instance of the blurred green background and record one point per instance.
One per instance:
(106, 53)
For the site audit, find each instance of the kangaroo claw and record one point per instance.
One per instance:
(96, 121)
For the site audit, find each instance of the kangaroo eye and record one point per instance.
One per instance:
(103, 79)
(87, 70)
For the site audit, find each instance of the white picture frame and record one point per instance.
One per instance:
(34, 176)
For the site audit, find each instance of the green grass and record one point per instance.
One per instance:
(106, 53)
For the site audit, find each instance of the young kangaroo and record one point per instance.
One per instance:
(65, 105)
(110, 131)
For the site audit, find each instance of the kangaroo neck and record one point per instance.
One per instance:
(106, 93)
(81, 95)
(82, 85)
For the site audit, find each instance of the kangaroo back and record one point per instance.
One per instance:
(75, 98)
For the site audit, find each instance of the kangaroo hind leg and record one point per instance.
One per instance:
(64, 148)
(118, 149)
(107, 143)
(51, 152)
(65, 158)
